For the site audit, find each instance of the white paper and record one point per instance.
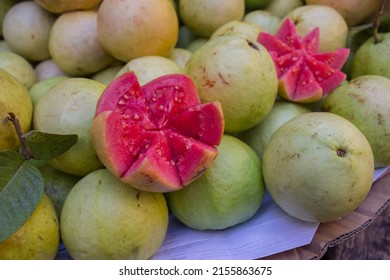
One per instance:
(269, 232)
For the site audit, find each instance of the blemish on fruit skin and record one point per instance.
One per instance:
(358, 98)
(341, 152)
(380, 119)
(223, 79)
(137, 195)
(252, 45)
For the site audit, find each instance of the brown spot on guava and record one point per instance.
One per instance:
(252, 45)
(314, 135)
(222, 79)
(207, 82)
(137, 195)
(358, 98)
(380, 119)
(341, 152)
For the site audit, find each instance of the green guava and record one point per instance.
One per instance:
(19, 67)
(62, 6)
(229, 193)
(40, 87)
(204, 17)
(264, 19)
(102, 218)
(248, 30)
(240, 74)
(318, 167)
(372, 58)
(69, 108)
(258, 137)
(365, 101)
(57, 185)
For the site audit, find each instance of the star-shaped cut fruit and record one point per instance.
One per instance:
(305, 75)
(158, 137)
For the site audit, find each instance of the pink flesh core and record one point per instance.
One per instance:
(169, 95)
(197, 120)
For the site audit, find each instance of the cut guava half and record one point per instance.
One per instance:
(304, 74)
(158, 137)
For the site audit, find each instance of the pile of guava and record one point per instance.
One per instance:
(184, 109)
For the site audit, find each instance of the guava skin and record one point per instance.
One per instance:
(333, 27)
(318, 167)
(229, 193)
(102, 218)
(240, 74)
(365, 101)
(14, 98)
(68, 108)
(258, 137)
(151, 28)
(372, 58)
(37, 239)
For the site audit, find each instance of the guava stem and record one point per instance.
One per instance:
(377, 21)
(26, 152)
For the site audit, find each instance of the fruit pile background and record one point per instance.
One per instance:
(270, 101)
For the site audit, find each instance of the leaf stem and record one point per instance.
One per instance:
(26, 152)
(376, 23)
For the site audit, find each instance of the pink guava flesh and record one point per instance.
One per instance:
(304, 74)
(158, 137)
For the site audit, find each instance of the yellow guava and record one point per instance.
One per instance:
(37, 239)
(14, 98)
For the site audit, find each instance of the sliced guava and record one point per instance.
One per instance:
(158, 137)
(304, 74)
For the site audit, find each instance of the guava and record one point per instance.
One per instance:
(180, 56)
(47, 69)
(281, 8)
(258, 137)
(103, 218)
(353, 11)
(5, 6)
(204, 17)
(256, 4)
(264, 19)
(26, 29)
(108, 74)
(62, 6)
(305, 74)
(371, 58)
(147, 68)
(37, 239)
(40, 87)
(196, 44)
(57, 185)
(128, 29)
(14, 98)
(333, 27)
(157, 137)
(318, 167)
(68, 108)
(19, 67)
(248, 30)
(365, 101)
(229, 193)
(74, 44)
(240, 74)
(4, 47)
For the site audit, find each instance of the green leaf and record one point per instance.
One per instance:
(21, 188)
(47, 146)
